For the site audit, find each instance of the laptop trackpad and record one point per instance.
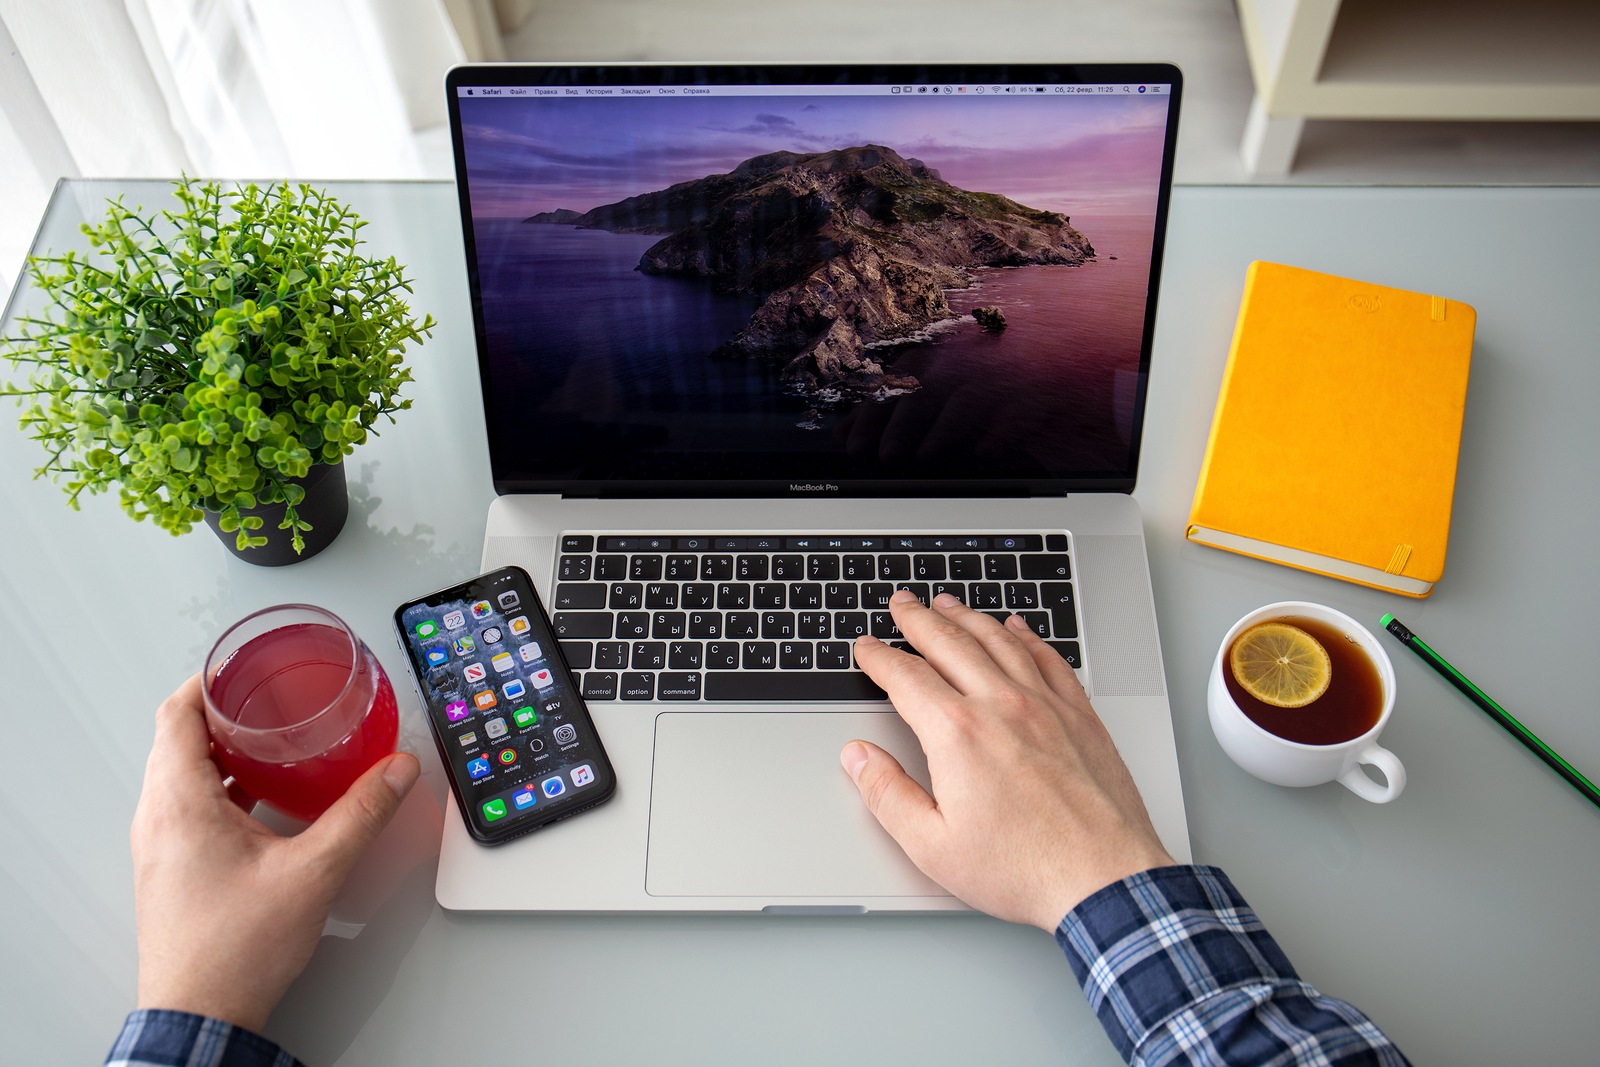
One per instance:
(756, 805)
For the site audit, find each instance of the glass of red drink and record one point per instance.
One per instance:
(298, 707)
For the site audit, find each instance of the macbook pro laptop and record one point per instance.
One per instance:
(760, 345)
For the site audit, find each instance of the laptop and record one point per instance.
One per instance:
(760, 345)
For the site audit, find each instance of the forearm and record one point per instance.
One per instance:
(1179, 970)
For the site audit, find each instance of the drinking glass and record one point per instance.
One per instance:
(298, 707)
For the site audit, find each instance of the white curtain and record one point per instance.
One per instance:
(313, 89)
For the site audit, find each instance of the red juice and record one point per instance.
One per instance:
(298, 727)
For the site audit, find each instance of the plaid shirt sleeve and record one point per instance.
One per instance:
(154, 1038)
(1180, 971)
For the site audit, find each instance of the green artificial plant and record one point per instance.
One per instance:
(205, 358)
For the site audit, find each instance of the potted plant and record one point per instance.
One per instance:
(216, 360)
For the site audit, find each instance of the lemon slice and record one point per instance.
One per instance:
(1281, 665)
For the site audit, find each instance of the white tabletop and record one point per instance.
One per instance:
(1461, 917)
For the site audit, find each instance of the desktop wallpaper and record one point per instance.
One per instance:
(871, 287)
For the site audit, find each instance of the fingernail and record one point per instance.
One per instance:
(402, 773)
(945, 600)
(868, 639)
(1017, 622)
(902, 596)
(854, 757)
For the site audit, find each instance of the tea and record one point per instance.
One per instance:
(1350, 707)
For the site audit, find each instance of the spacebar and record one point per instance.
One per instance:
(794, 685)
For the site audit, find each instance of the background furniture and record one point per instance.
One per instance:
(1413, 59)
(1461, 916)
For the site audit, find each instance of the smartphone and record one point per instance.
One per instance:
(512, 730)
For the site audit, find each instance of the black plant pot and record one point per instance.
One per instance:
(325, 507)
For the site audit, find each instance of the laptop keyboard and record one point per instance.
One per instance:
(747, 618)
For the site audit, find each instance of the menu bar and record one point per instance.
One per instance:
(996, 89)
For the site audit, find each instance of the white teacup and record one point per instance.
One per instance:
(1283, 762)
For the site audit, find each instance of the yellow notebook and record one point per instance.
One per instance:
(1333, 447)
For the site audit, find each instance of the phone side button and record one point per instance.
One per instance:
(678, 685)
(599, 685)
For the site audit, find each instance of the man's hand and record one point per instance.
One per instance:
(1032, 809)
(228, 911)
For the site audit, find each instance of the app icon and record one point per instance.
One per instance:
(468, 739)
(494, 809)
(553, 787)
(454, 620)
(514, 689)
(478, 768)
(464, 645)
(496, 728)
(508, 600)
(582, 774)
(525, 798)
(566, 734)
(502, 662)
(427, 628)
(507, 756)
(543, 678)
(525, 716)
(519, 625)
(456, 710)
(437, 657)
(476, 672)
(485, 700)
(530, 652)
(482, 610)
(492, 636)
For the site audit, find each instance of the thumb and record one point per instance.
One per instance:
(898, 802)
(343, 832)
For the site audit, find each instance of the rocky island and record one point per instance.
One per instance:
(845, 250)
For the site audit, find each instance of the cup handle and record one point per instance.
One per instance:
(1394, 773)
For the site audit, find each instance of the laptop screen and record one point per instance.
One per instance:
(724, 280)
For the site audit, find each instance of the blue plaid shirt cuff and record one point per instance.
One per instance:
(1180, 971)
(153, 1038)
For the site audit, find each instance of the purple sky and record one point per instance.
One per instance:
(1082, 155)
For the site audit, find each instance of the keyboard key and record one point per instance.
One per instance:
(1057, 567)
(986, 595)
(798, 685)
(883, 626)
(671, 685)
(837, 595)
(777, 625)
(1069, 652)
(918, 590)
(875, 595)
(649, 655)
(733, 595)
(966, 568)
(698, 595)
(1056, 598)
(611, 655)
(788, 568)
(999, 568)
(633, 625)
(626, 595)
(682, 568)
(685, 655)
(644, 568)
(850, 624)
(577, 543)
(742, 624)
(578, 654)
(716, 568)
(859, 568)
(692, 544)
(759, 655)
(1038, 622)
(637, 686)
(928, 568)
(794, 655)
(1055, 542)
(665, 625)
(730, 544)
(894, 568)
(582, 624)
(705, 625)
(661, 595)
(804, 596)
(579, 595)
(768, 595)
(822, 568)
(811, 624)
(573, 569)
(955, 589)
(833, 655)
(1021, 596)
(610, 568)
(722, 656)
(751, 569)
(599, 685)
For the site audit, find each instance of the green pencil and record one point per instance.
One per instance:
(1494, 710)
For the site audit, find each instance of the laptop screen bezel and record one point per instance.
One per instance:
(507, 482)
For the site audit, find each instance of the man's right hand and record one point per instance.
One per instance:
(1032, 808)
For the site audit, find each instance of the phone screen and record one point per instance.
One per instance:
(512, 730)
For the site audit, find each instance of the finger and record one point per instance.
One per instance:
(901, 806)
(342, 833)
(181, 751)
(913, 686)
(948, 647)
(1001, 647)
(1057, 672)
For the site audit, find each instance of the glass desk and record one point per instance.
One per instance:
(1460, 917)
